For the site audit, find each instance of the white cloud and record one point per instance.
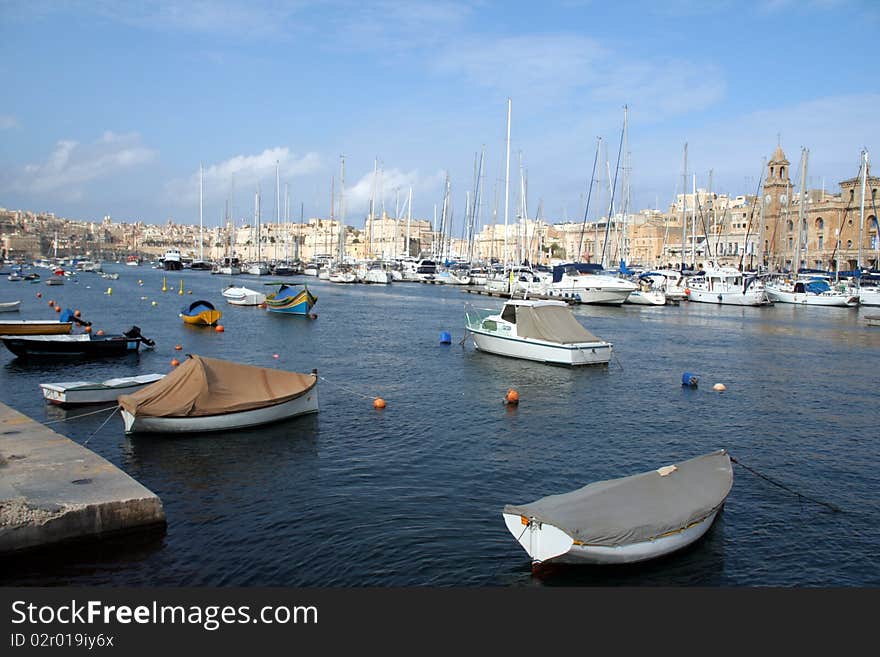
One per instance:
(8, 122)
(72, 165)
(246, 172)
(386, 183)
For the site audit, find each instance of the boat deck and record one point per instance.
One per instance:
(54, 490)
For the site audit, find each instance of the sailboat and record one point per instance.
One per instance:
(200, 264)
(258, 267)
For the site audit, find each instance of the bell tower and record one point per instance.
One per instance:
(777, 185)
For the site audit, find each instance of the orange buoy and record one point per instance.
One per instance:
(175, 362)
(100, 332)
(313, 315)
(178, 347)
(512, 397)
(76, 313)
(219, 328)
(687, 291)
(88, 329)
(51, 302)
(57, 309)
(378, 402)
(39, 295)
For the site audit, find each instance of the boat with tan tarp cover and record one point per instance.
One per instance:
(209, 394)
(625, 520)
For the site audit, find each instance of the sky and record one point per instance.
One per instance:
(110, 107)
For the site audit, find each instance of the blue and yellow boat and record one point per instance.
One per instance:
(288, 299)
(200, 313)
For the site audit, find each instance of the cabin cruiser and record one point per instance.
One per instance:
(230, 266)
(813, 291)
(587, 283)
(172, 260)
(727, 286)
(426, 270)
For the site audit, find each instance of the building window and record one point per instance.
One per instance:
(790, 243)
(782, 172)
(820, 223)
(821, 242)
(790, 225)
(771, 171)
(849, 244)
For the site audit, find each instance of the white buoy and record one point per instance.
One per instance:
(719, 387)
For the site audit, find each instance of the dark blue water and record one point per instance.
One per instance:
(412, 495)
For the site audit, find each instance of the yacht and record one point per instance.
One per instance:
(230, 266)
(813, 291)
(587, 283)
(172, 260)
(426, 270)
(727, 286)
(257, 269)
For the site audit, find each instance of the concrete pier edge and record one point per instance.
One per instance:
(54, 490)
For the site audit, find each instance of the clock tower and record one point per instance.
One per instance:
(776, 197)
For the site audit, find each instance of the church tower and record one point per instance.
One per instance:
(776, 197)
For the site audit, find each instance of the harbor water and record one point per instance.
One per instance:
(411, 495)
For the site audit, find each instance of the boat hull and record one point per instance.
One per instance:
(98, 347)
(573, 355)
(303, 405)
(204, 318)
(33, 327)
(546, 543)
(650, 298)
(82, 392)
(730, 298)
(597, 296)
(807, 299)
(10, 307)
(299, 304)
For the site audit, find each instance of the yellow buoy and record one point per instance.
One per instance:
(719, 387)
(164, 285)
(181, 287)
(155, 303)
(109, 290)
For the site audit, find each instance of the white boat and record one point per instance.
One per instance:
(10, 306)
(586, 283)
(815, 292)
(55, 280)
(869, 291)
(647, 294)
(239, 295)
(727, 286)
(229, 267)
(625, 520)
(15, 276)
(89, 392)
(544, 331)
(670, 281)
(311, 269)
(341, 274)
(208, 394)
(373, 272)
(172, 260)
(110, 277)
(257, 269)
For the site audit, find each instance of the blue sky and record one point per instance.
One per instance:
(109, 107)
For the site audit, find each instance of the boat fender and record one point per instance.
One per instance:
(690, 380)
(445, 338)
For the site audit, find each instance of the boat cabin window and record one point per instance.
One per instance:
(509, 314)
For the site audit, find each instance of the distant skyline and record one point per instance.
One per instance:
(110, 107)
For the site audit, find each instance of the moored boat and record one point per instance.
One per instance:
(625, 520)
(544, 331)
(200, 312)
(71, 393)
(81, 345)
(209, 394)
(10, 306)
(34, 327)
(238, 295)
(816, 292)
(288, 299)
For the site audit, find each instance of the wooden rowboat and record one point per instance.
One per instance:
(69, 393)
(200, 313)
(10, 306)
(80, 346)
(209, 394)
(34, 327)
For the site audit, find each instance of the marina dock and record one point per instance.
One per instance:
(505, 295)
(53, 489)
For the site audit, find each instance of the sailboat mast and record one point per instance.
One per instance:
(201, 228)
(507, 185)
(694, 226)
(684, 204)
(341, 247)
(862, 208)
(796, 256)
(408, 220)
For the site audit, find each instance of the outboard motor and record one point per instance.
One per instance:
(134, 333)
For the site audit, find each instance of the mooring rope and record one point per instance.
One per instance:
(76, 417)
(354, 392)
(92, 435)
(784, 487)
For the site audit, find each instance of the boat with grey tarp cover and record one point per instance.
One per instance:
(625, 520)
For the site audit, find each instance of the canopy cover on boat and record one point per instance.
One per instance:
(638, 508)
(554, 323)
(209, 386)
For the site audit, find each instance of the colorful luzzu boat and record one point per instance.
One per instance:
(290, 300)
(200, 313)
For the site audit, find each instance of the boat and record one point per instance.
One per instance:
(209, 394)
(287, 268)
(539, 330)
(10, 306)
(727, 286)
(82, 345)
(647, 294)
(110, 277)
(872, 320)
(288, 299)
(587, 283)
(55, 280)
(230, 266)
(200, 312)
(810, 292)
(626, 520)
(239, 295)
(172, 260)
(70, 393)
(59, 326)
(342, 273)
(257, 269)
(133, 261)
(15, 277)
